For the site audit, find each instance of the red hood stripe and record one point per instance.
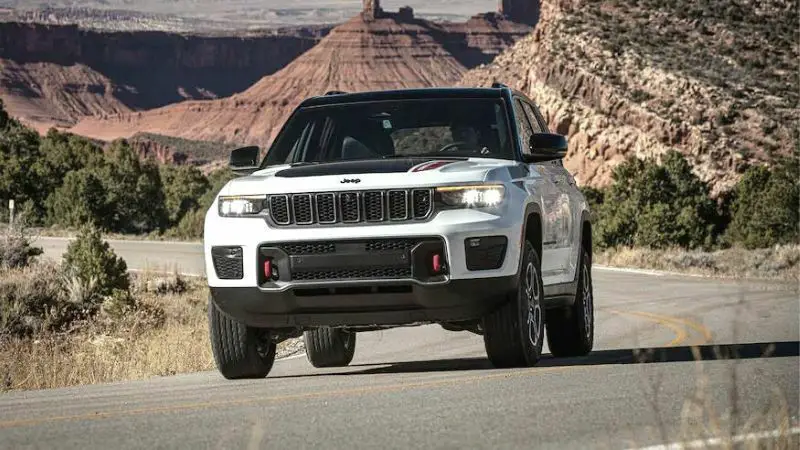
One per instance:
(429, 166)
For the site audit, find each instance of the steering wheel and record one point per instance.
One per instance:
(451, 146)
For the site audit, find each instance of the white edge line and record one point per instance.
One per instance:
(295, 356)
(122, 241)
(704, 443)
(167, 272)
(653, 272)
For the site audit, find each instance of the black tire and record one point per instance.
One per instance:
(514, 334)
(330, 347)
(570, 330)
(239, 351)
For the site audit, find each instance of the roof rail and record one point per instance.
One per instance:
(497, 85)
(335, 92)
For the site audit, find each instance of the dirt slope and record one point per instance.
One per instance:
(714, 79)
(45, 94)
(388, 52)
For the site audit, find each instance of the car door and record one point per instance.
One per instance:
(560, 238)
(540, 182)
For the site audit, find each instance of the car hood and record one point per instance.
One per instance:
(369, 174)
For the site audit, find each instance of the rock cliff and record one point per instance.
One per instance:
(714, 79)
(57, 74)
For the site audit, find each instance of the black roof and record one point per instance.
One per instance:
(403, 94)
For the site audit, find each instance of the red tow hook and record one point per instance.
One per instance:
(268, 269)
(436, 263)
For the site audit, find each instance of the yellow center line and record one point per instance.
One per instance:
(680, 333)
(700, 328)
(282, 398)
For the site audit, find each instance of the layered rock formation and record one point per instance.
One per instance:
(629, 77)
(54, 75)
(380, 51)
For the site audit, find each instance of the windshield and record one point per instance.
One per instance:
(394, 129)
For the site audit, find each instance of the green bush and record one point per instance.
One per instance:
(191, 225)
(135, 194)
(764, 206)
(183, 188)
(656, 205)
(79, 201)
(91, 262)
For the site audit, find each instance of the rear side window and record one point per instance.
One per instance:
(525, 130)
(534, 118)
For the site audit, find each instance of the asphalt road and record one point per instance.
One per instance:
(426, 387)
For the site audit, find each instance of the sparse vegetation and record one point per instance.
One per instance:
(662, 205)
(778, 263)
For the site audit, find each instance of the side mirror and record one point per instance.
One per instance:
(244, 160)
(546, 147)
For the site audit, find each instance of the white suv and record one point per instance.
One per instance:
(381, 209)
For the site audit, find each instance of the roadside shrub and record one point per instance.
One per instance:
(764, 206)
(16, 250)
(32, 301)
(656, 206)
(92, 262)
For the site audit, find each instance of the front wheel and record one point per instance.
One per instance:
(330, 347)
(239, 351)
(570, 330)
(514, 334)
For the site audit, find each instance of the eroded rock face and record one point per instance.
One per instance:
(385, 53)
(638, 78)
(55, 74)
(521, 11)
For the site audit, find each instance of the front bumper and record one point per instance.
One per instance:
(364, 303)
(453, 227)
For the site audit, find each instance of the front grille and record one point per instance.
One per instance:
(353, 274)
(228, 262)
(351, 207)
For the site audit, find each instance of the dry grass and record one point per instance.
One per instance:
(165, 335)
(777, 263)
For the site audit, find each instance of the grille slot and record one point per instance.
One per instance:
(389, 244)
(327, 208)
(309, 248)
(353, 274)
(279, 209)
(422, 204)
(373, 206)
(301, 205)
(351, 211)
(228, 262)
(398, 205)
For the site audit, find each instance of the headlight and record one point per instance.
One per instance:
(242, 205)
(478, 196)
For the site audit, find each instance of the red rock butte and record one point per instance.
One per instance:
(374, 50)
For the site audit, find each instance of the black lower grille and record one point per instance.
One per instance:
(228, 262)
(353, 273)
